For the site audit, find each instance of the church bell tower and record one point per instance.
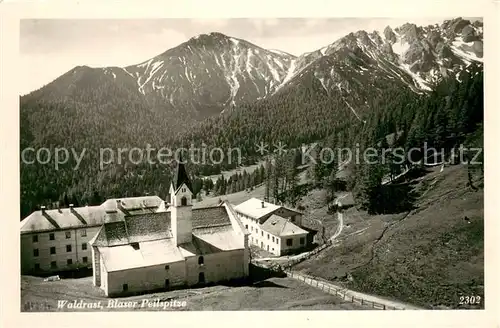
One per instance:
(181, 202)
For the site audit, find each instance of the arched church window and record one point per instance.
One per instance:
(183, 201)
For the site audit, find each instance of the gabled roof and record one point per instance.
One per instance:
(146, 254)
(181, 177)
(210, 216)
(134, 229)
(253, 208)
(281, 227)
(79, 217)
(132, 203)
(63, 218)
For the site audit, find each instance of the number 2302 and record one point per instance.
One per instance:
(468, 300)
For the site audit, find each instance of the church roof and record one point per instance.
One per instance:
(181, 176)
(134, 229)
(151, 226)
(210, 216)
(146, 239)
(147, 253)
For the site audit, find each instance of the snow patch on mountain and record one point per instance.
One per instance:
(459, 47)
(400, 47)
(420, 81)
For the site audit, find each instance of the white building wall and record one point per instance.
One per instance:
(96, 267)
(104, 275)
(284, 249)
(224, 266)
(242, 233)
(264, 240)
(271, 243)
(217, 267)
(146, 278)
(43, 245)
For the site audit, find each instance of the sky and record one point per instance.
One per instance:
(51, 47)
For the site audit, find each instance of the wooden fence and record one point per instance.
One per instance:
(339, 292)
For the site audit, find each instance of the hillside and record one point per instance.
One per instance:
(429, 256)
(271, 294)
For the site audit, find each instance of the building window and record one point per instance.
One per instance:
(85, 259)
(273, 239)
(302, 240)
(289, 242)
(84, 246)
(68, 234)
(35, 238)
(262, 233)
(246, 226)
(277, 240)
(167, 267)
(183, 201)
(135, 246)
(53, 264)
(69, 261)
(125, 287)
(183, 189)
(84, 233)
(201, 261)
(37, 266)
(167, 283)
(52, 237)
(293, 218)
(35, 252)
(268, 236)
(52, 250)
(201, 277)
(68, 248)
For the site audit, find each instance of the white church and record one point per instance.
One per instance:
(173, 247)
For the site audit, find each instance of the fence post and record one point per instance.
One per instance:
(383, 306)
(361, 301)
(373, 304)
(352, 299)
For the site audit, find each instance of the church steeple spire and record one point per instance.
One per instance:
(181, 176)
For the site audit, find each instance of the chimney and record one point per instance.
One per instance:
(43, 209)
(262, 204)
